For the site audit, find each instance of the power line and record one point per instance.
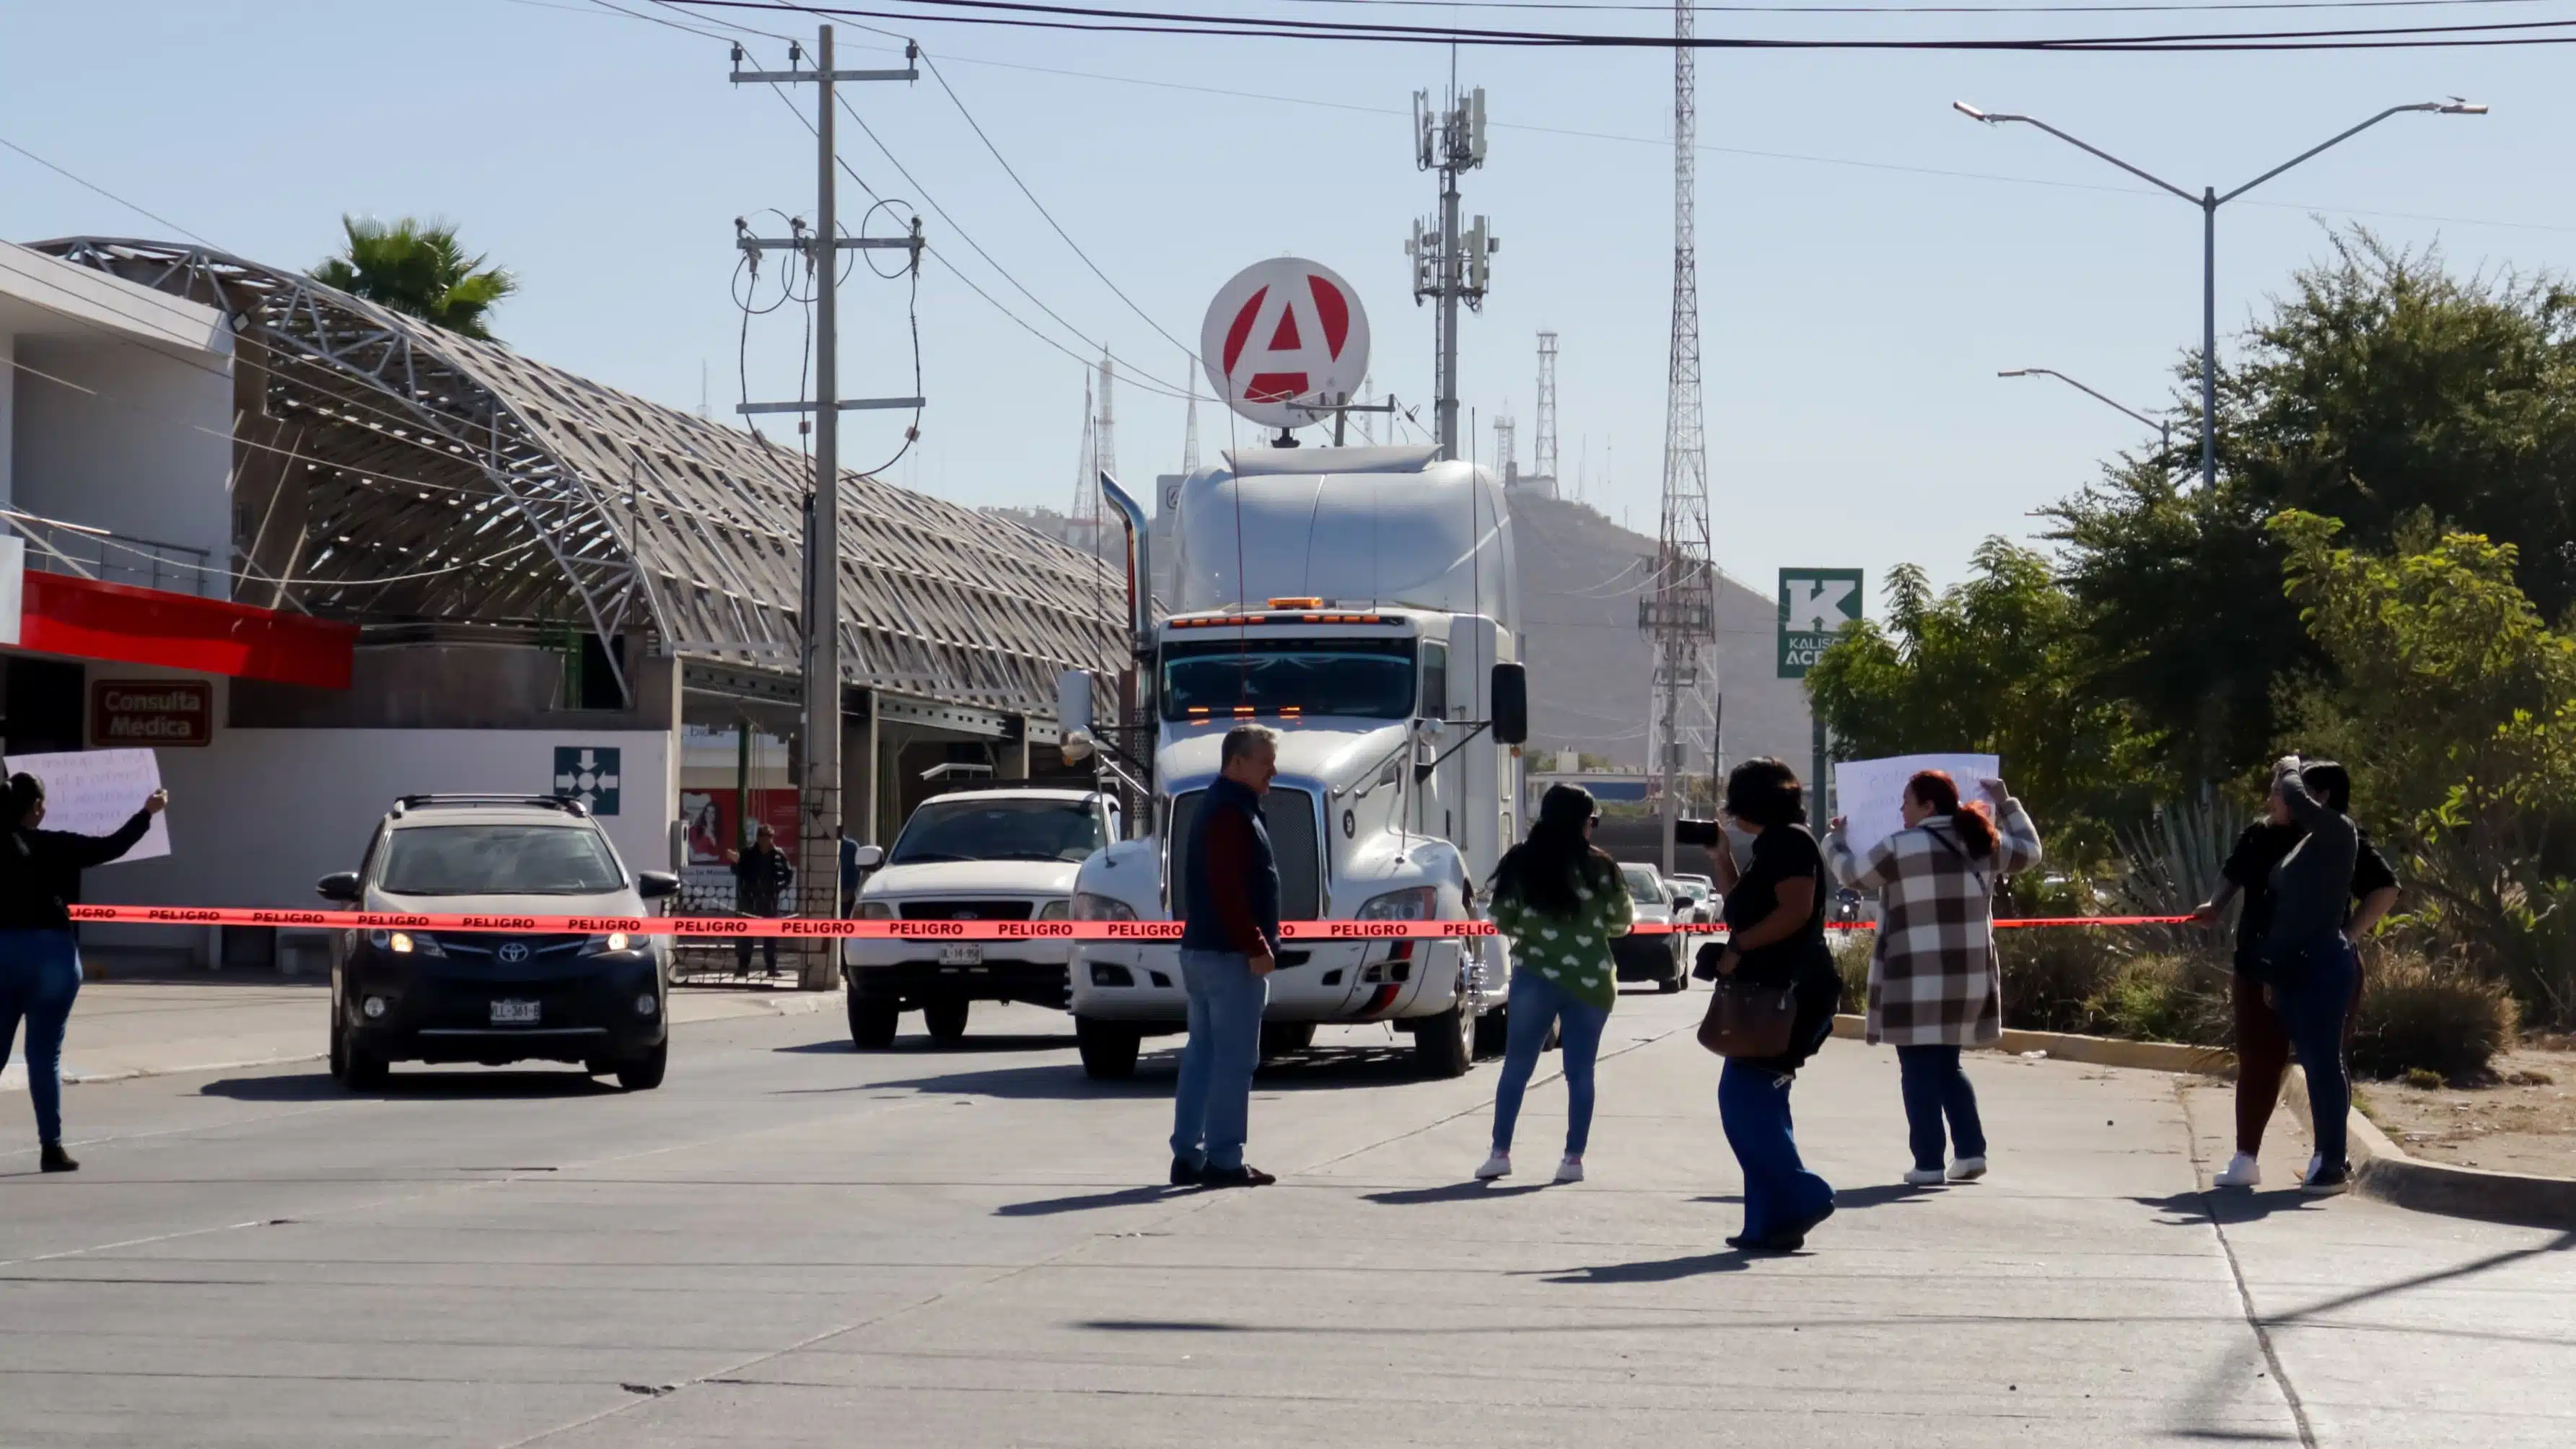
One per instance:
(103, 191)
(1022, 14)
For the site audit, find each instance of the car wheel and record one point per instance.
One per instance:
(872, 1022)
(643, 1073)
(946, 1020)
(1680, 979)
(1445, 1046)
(366, 1070)
(1493, 1032)
(1108, 1048)
(339, 1058)
(1281, 1038)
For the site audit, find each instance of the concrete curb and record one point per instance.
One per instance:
(2384, 1171)
(2100, 1051)
(785, 1003)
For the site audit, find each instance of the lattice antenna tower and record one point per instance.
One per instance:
(1679, 610)
(1507, 457)
(1085, 512)
(1542, 473)
(1104, 440)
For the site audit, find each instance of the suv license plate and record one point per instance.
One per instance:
(513, 1013)
(970, 953)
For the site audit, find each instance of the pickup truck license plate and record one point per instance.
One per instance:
(513, 1013)
(965, 953)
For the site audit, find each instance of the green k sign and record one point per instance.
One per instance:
(1814, 606)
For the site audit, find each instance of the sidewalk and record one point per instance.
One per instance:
(124, 1029)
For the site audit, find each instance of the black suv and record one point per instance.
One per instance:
(598, 999)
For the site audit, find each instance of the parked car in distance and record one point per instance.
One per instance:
(1695, 896)
(1656, 957)
(596, 998)
(1005, 853)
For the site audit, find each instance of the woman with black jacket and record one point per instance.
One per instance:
(1775, 919)
(40, 969)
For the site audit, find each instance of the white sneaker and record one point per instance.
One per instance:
(1498, 1165)
(1570, 1170)
(1924, 1177)
(1967, 1169)
(2242, 1171)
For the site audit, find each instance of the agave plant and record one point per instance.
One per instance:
(2169, 864)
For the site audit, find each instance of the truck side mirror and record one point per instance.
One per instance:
(653, 885)
(1511, 704)
(867, 857)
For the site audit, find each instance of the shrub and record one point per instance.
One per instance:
(2053, 977)
(2419, 1013)
(2179, 997)
(1851, 958)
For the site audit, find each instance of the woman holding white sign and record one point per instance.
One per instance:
(40, 971)
(1933, 984)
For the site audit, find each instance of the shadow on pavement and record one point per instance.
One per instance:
(840, 1046)
(1664, 1270)
(1047, 1207)
(1851, 1199)
(421, 1085)
(1326, 1070)
(1468, 1191)
(2196, 1207)
(1161, 1325)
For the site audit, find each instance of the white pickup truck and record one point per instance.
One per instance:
(995, 854)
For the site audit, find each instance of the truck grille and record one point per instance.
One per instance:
(1290, 815)
(965, 910)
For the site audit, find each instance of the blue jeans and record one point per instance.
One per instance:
(2312, 1009)
(1537, 1004)
(40, 973)
(1779, 1192)
(1934, 1086)
(1210, 1109)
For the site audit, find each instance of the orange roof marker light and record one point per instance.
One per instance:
(1315, 603)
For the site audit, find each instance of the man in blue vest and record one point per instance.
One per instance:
(1229, 941)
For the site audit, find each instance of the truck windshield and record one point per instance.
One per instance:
(1364, 678)
(999, 830)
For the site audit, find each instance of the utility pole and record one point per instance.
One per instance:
(818, 856)
(1543, 446)
(1679, 610)
(1448, 264)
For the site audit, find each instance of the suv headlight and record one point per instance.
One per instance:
(404, 943)
(1089, 907)
(610, 944)
(875, 911)
(1055, 911)
(1416, 903)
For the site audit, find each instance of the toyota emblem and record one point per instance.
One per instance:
(514, 952)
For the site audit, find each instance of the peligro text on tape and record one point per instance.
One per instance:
(803, 928)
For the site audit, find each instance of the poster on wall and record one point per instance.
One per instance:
(92, 792)
(714, 818)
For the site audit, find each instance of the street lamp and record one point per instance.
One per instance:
(2163, 428)
(2209, 200)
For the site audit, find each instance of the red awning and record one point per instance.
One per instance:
(91, 620)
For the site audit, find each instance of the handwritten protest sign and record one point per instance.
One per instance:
(1868, 791)
(92, 792)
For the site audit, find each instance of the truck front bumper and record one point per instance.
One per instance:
(1331, 981)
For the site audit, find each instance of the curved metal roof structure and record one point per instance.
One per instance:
(451, 480)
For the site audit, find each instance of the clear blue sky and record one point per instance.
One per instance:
(1868, 257)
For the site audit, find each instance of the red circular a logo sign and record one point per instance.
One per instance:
(1284, 332)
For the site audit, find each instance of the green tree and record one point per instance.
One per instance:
(1998, 665)
(2454, 705)
(2382, 386)
(417, 267)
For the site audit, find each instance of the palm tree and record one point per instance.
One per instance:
(417, 267)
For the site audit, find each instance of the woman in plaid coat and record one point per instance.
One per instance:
(1933, 983)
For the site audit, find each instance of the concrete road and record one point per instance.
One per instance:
(793, 1243)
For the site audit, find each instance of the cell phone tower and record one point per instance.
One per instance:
(1679, 608)
(1542, 473)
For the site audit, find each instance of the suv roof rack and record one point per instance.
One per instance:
(470, 801)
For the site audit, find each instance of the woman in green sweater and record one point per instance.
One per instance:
(1560, 902)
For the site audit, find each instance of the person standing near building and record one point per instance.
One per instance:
(761, 876)
(1933, 983)
(40, 969)
(2262, 1042)
(1561, 902)
(1775, 919)
(1229, 944)
(849, 869)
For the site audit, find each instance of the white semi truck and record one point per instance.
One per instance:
(1363, 603)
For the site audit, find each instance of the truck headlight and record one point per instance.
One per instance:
(1089, 907)
(613, 942)
(1416, 903)
(875, 911)
(1055, 911)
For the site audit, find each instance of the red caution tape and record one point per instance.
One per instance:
(802, 928)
